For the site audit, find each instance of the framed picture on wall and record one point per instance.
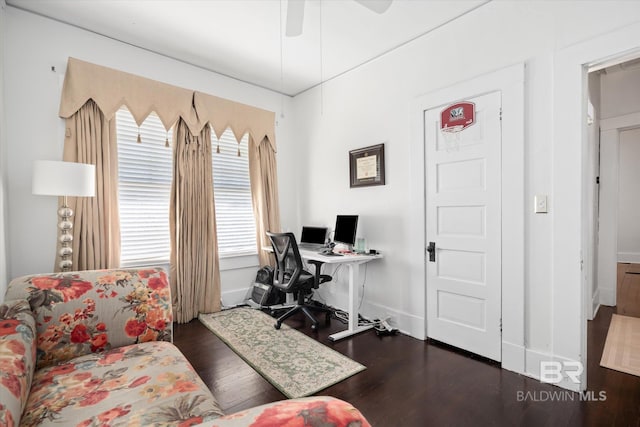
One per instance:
(366, 166)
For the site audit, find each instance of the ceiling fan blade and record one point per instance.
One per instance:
(295, 17)
(377, 6)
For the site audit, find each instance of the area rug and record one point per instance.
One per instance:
(622, 348)
(295, 364)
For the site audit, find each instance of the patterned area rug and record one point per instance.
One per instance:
(622, 348)
(295, 364)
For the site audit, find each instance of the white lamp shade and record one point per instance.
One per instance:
(55, 178)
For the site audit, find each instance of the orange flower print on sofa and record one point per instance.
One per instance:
(8, 326)
(60, 289)
(334, 413)
(79, 334)
(71, 323)
(135, 328)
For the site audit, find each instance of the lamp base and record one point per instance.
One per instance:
(65, 225)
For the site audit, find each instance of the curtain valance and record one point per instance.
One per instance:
(111, 89)
(240, 118)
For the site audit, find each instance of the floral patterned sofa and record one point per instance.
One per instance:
(93, 348)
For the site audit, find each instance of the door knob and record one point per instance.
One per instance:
(432, 251)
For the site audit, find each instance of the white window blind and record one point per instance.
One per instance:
(144, 174)
(232, 191)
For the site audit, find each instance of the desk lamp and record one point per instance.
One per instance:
(56, 178)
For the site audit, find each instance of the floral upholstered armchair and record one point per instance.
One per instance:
(93, 348)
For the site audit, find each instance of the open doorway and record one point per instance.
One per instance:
(614, 148)
(628, 267)
(612, 159)
(571, 180)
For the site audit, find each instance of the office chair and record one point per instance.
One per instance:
(289, 276)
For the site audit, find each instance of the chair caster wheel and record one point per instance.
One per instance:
(314, 327)
(277, 326)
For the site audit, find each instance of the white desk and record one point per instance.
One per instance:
(353, 262)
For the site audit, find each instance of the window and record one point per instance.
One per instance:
(145, 174)
(232, 191)
(144, 180)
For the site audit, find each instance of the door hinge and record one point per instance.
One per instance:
(500, 113)
(501, 324)
(597, 180)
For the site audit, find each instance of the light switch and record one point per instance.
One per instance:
(540, 202)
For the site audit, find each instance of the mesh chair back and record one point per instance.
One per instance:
(289, 264)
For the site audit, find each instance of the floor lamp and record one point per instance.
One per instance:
(56, 178)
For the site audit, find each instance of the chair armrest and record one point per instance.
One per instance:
(318, 278)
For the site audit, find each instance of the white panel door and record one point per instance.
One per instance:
(463, 215)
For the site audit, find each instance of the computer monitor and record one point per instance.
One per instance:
(313, 235)
(345, 231)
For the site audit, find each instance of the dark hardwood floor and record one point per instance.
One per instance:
(409, 382)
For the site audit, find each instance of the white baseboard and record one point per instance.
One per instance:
(533, 361)
(234, 297)
(633, 257)
(595, 311)
(595, 305)
(408, 324)
(607, 296)
(513, 357)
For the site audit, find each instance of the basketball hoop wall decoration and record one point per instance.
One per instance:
(458, 116)
(454, 119)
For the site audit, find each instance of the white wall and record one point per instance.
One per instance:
(4, 274)
(372, 104)
(34, 131)
(629, 197)
(620, 92)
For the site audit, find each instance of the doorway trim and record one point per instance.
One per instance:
(570, 177)
(510, 82)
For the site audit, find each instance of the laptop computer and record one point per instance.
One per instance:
(313, 238)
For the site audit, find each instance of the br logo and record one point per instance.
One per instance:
(552, 372)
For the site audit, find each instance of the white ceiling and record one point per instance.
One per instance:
(244, 39)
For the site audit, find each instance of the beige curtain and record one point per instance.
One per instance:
(195, 270)
(90, 138)
(264, 192)
(195, 274)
